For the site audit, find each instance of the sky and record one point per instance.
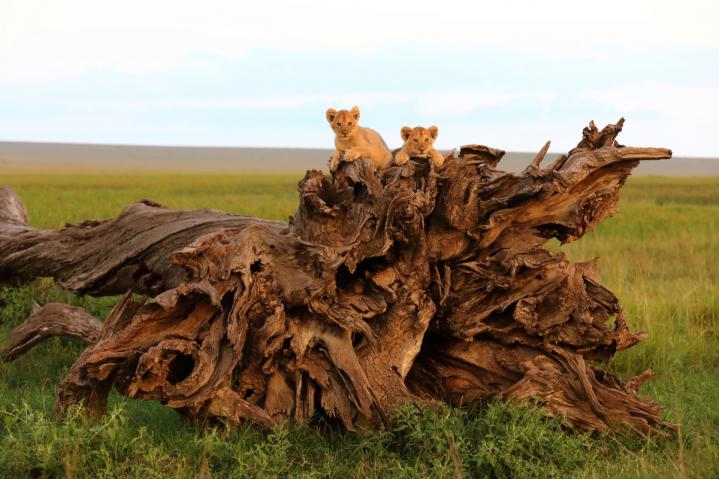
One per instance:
(510, 74)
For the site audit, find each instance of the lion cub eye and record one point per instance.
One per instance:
(349, 124)
(416, 141)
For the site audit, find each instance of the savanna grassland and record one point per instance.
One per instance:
(660, 255)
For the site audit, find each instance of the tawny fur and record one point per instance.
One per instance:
(419, 142)
(353, 141)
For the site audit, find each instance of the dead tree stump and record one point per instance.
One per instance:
(412, 284)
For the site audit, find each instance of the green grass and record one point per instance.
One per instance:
(53, 200)
(660, 255)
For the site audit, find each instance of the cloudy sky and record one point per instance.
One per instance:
(509, 74)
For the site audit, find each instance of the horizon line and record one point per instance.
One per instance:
(156, 145)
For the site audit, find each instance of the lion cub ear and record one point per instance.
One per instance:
(405, 132)
(434, 131)
(331, 113)
(355, 112)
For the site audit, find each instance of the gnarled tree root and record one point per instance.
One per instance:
(414, 284)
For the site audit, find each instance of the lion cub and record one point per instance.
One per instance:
(354, 141)
(419, 142)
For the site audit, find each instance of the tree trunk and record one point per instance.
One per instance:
(411, 285)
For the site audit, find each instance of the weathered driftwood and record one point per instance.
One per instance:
(411, 285)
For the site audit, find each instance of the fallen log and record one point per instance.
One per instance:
(412, 284)
(100, 258)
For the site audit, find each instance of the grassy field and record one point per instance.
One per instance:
(660, 255)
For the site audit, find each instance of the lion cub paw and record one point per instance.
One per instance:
(334, 161)
(352, 155)
(437, 159)
(401, 158)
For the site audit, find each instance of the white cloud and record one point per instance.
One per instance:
(672, 101)
(431, 102)
(279, 102)
(42, 40)
(684, 117)
(452, 101)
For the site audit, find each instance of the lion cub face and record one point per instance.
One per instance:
(419, 141)
(343, 122)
